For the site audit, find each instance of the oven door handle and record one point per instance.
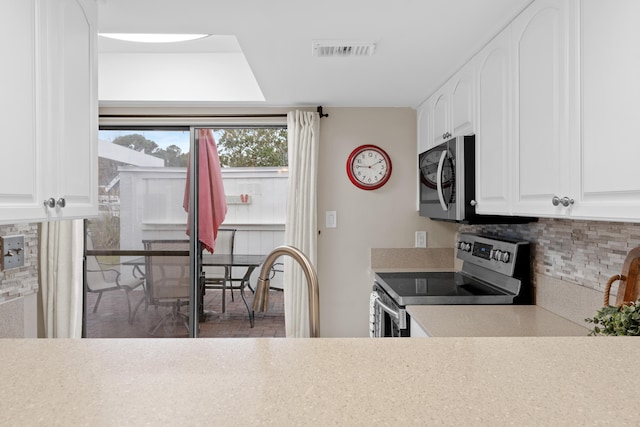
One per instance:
(445, 206)
(400, 315)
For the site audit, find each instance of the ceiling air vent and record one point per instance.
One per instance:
(337, 48)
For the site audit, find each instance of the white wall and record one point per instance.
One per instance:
(383, 218)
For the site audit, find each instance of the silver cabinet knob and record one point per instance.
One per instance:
(50, 202)
(61, 202)
(473, 203)
(566, 201)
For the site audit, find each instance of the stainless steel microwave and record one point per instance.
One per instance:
(448, 186)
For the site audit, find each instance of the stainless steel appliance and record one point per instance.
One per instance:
(447, 184)
(494, 271)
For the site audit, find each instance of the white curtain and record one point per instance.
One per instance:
(301, 220)
(61, 252)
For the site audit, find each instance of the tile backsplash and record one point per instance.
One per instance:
(583, 252)
(18, 282)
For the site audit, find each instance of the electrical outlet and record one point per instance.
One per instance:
(421, 239)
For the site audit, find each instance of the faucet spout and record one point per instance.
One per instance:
(261, 298)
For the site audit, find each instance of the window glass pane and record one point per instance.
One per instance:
(141, 176)
(252, 147)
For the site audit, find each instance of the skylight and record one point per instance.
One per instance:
(210, 69)
(153, 38)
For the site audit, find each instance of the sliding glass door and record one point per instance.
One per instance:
(130, 293)
(145, 276)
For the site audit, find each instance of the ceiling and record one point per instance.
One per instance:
(419, 43)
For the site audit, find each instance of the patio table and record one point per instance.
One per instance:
(248, 261)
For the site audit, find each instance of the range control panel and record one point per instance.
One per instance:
(498, 255)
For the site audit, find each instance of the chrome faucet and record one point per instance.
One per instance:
(261, 298)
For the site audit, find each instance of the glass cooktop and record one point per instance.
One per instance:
(417, 288)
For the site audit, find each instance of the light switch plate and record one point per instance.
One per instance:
(331, 219)
(421, 239)
(12, 252)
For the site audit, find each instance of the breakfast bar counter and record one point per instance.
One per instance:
(325, 381)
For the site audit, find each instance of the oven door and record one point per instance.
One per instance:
(437, 170)
(386, 318)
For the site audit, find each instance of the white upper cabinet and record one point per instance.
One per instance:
(21, 162)
(577, 80)
(425, 126)
(494, 127)
(49, 110)
(463, 101)
(556, 116)
(73, 114)
(441, 116)
(449, 112)
(606, 164)
(452, 106)
(543, 60)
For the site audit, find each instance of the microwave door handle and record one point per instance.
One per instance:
(439, 188)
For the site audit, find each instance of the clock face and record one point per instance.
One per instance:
(369, 167)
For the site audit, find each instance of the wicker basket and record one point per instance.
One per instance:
(629, 280)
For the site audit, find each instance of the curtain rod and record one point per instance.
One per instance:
(206, 116)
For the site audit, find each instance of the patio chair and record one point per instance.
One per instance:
(220, 277)
(100, 280)
(168, 281)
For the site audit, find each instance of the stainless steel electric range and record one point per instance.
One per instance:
(494, 271)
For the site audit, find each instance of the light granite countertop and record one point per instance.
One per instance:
(343, 381)
(492, 321)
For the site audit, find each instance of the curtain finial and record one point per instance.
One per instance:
(320, 112)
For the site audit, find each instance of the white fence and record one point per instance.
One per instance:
(151, 206)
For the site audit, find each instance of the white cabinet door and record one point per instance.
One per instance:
(494, 131)
(441, 115)
(450, 110)
(453, 106)
(73, 114)
(21, 162)
(607, 175)
(462, 102)
(425, 126)
(542, 60)
(49, 109)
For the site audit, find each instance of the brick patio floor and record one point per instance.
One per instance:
(110, 320)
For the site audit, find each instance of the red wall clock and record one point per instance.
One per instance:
(369, 167)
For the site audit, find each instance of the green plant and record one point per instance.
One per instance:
(611, 320)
